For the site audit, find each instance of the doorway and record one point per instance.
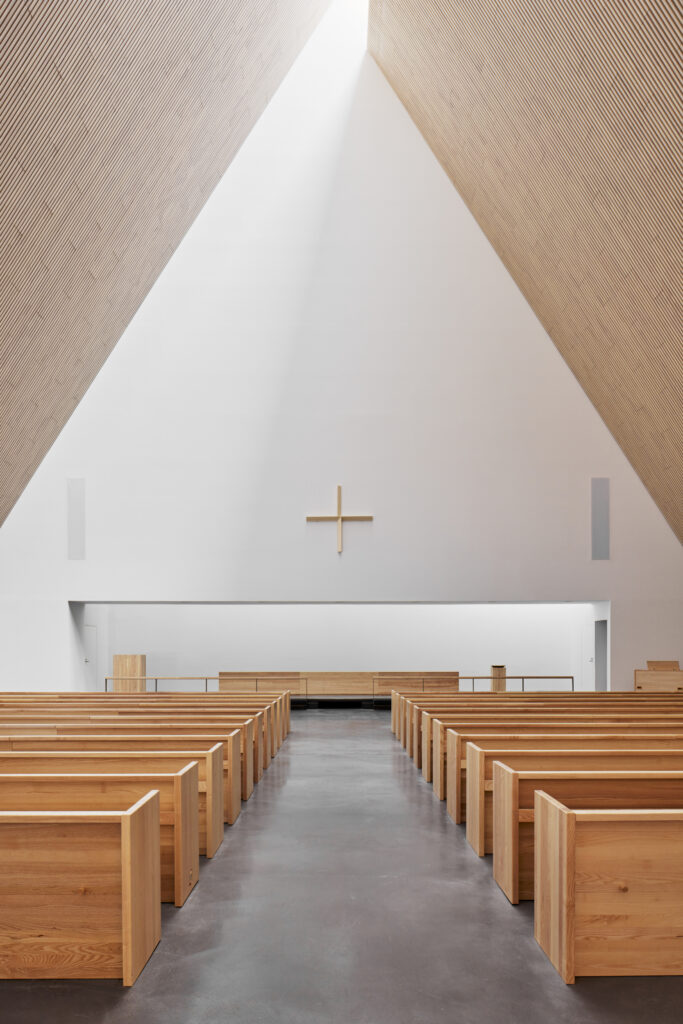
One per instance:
(90, 656)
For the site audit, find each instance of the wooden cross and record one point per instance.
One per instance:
(339, 519)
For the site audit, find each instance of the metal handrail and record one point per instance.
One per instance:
(523, 678)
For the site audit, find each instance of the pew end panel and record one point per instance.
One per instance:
(187, 839)
(214, 799)
(505, 830)
(476, 802)
(438, 753)
(141, 882)
(554, 887)
(233, 787)
(80, 892)
(248, 759)
(426, 742)
(453, 776)
(609, 895)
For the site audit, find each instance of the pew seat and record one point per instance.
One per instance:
(513, 810)
(608, 890)
(80, 892)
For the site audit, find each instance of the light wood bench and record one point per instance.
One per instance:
(179, 819)
(262, 724)
(404, 706)
(169, 725)
(424, 735)
(53, 722)
(278, 704)
(513, 811)
(232, 801)
(480, 776)
(412, 709)
(519, 723)
(209, 763)
(608, 890)
(79, 892)
(456, 770)
(407, 706)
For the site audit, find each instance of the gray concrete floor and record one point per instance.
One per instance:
(345, 895)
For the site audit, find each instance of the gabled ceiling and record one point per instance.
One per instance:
(559, 123)
(116, 122)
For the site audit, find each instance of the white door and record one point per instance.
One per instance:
(90, 656)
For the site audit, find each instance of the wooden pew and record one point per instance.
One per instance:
(264, 722)
(480, 776)
(409, 706)
(608, 890)
(275, 711)
(419, 715)
(414, 712)
(605, 739)
(239, 703)
(260, 736)
(79, 892)
(424, 734)
(513, 811)
(541, 723)
(53, 722)
(178, 810)
(261, 719)
(135, 743)
(209, 763)
(72, 725)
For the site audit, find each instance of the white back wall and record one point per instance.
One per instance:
(334, 316)
(186, 640)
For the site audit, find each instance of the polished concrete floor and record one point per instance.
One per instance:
(345, 895)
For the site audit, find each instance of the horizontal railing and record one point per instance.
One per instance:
(207, 679)
(155, 680)
(524, 679)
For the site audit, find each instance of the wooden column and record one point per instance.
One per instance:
(129, 672)
(498, 679)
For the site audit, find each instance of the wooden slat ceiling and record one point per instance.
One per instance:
(116, 122)
(559, 123)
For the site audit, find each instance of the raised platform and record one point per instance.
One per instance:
(380, 703)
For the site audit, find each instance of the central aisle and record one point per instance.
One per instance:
(345, 895)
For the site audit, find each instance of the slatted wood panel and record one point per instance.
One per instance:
(117, 120)
(558, 122)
